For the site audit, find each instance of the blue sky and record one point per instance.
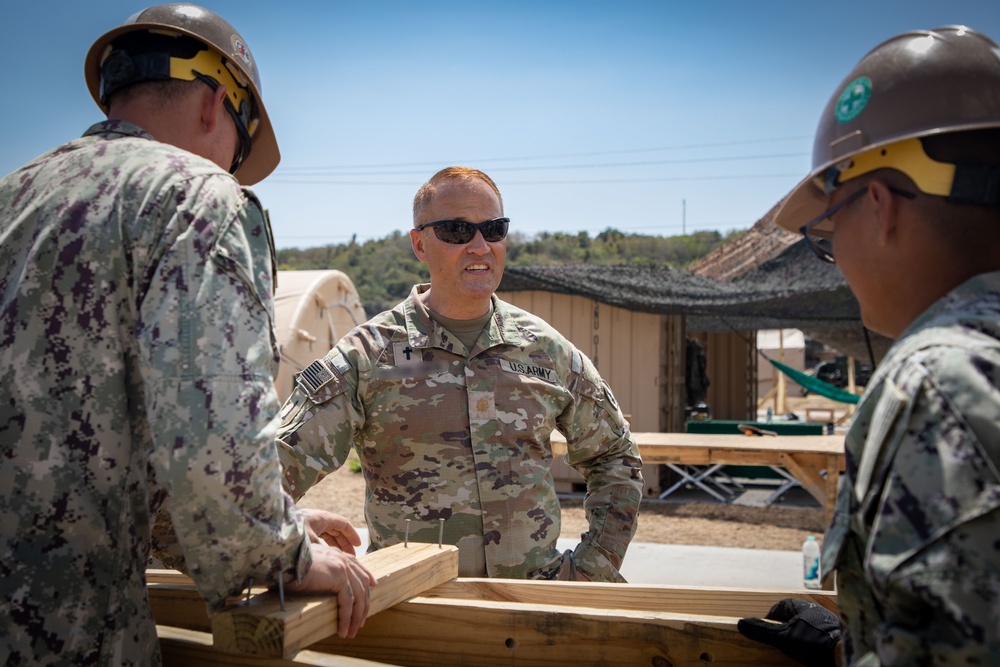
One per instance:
(650, 117)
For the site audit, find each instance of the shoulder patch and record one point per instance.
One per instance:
(314, 377)
(609, 395)
(324, 378)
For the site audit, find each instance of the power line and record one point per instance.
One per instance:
(278, 180)
(312, 179)
(599, 165)
(560, 156)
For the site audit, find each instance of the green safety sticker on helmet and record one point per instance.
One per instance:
(853, 99)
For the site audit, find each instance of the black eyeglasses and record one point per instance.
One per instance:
(821, 246)
(459, 232)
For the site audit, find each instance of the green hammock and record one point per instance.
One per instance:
(815, 385)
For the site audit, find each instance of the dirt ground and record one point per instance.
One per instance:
(660, 521)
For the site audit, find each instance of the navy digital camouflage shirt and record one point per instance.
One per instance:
(136, 364)
(916, 537)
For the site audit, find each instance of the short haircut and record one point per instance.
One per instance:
(461, 174)
(163, 90)
(161, 93)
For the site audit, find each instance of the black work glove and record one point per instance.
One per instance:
(807, 632)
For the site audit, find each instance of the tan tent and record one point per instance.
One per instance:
(312, 310)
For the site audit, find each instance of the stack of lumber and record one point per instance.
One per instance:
(422, 614)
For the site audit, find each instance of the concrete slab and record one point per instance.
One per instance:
(687, 565)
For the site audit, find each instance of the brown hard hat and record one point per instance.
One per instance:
(230, 48)
(913, 85)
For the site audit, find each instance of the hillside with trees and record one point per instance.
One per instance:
(384, 270)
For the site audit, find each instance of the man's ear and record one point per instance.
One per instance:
(417, 242)
(886, 207)
(212, 102)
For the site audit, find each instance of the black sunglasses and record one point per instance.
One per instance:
(459, 232)
(821, 246)
(242, 119)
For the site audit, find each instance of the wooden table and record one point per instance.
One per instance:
(802, 456)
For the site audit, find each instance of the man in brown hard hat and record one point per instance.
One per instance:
(906, 184)
(137, 360)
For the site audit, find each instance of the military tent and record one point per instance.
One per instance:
(312, 310)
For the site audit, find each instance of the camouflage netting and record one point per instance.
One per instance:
(793, 290)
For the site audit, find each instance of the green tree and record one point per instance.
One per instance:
(384, 270)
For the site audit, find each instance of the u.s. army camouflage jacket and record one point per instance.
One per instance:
(916, 537)
(136, 363)
(463, 435)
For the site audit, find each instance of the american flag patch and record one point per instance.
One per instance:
(314, 377)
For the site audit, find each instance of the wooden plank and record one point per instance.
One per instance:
(542, 305)
(635, 597)
(602, 355)
(488, 621)
(182, 606)
(562, 315)
(582, 325)
(656, 445)
(261, 628)
(645, 403)
(426, 632)
(674, 391)
(188, 648)
(163, 576)
(175, 601)
(179, 606)
(808, 477)
(805, 444)
(618, 374)
(803, 456)
(834, 465)
(697, 455)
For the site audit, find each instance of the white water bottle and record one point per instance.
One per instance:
(810, 563)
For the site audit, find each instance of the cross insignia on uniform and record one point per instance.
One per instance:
(407, 350)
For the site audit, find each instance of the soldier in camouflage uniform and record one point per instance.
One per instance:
(137, 359)
(907, 157)
(450, 400)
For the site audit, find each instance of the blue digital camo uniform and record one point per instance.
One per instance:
(136, 362)
(463, 435)
(916, 536)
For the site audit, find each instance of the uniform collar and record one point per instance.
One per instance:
(422, 331)
(119, 127)
(955, 301)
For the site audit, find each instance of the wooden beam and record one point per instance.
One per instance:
(260, 627)
(181, 606)
(833, 464)
(188, 648)
(426, 632)
(635, 597)
(485, 621)
(161, 576)
(809, 478)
